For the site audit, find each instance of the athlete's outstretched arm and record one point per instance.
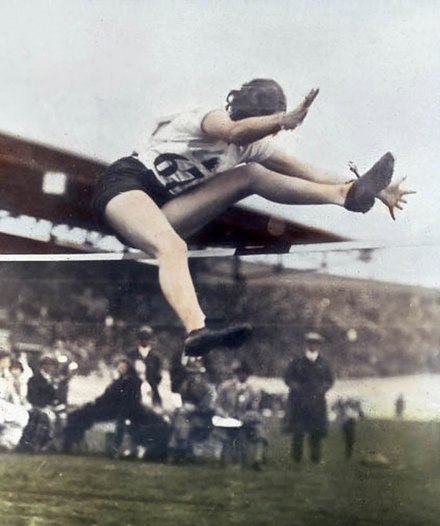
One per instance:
(219, 125)
(287, 164)
(393, 197)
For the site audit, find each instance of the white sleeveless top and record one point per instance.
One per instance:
(181, 155)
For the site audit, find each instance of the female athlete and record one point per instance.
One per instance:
(196, 164)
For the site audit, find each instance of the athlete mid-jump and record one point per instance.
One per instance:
(198, 163)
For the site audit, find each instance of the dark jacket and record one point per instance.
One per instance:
(308, 382)
(120, 401)
(41, 393)
(122, 398)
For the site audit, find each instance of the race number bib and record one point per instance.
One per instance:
(175, 171)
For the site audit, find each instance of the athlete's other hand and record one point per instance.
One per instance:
(295, 117)
(394, 197)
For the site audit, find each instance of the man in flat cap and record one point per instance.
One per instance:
(148, 362)
(308, 377)
(238, 399)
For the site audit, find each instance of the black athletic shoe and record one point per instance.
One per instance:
(361, 196)
(201, 341)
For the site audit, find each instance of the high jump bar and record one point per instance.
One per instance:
(218, 252)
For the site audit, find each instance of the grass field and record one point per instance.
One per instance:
(51, 490)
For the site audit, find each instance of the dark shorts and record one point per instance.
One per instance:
(123, 175)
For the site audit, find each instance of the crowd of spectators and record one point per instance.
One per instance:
(36, 414)
(216, 411)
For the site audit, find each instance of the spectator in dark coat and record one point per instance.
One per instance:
(308, 378)
(42, 387)
(43, 428)
(148, 362)
(119, 402)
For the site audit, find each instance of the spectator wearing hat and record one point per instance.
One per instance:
(192, 422)
(308, 377)
(238, 399)
(148, 362)
(44, 429)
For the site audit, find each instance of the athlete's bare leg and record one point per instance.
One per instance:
(137, 218)
(194, 209)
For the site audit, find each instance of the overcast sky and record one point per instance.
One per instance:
(90, 77)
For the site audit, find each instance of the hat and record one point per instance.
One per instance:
(313, 337)
(145, 330)
(47, 358)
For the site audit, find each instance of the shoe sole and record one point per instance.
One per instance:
(376, 179)
(380, 173)
(231, 337)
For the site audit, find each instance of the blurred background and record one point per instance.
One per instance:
(91, 78)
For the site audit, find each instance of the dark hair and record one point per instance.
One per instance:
(130, 366)
(256, 98)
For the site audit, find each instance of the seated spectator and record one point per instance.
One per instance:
(47, 413)
(43, 386)
(21, 374)
(238, 399)
(13, 415)
(192, 422)
(66, 369)
(120, 402)
(13, 421)
(6, 379)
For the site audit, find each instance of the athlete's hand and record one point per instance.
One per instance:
(394, 197)
(295, 117)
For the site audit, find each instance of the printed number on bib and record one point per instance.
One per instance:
(168, 165)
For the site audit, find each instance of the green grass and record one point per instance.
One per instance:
(59, 490)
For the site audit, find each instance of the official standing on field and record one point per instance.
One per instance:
(308, 377)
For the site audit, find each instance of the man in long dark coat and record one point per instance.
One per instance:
(308, 378)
